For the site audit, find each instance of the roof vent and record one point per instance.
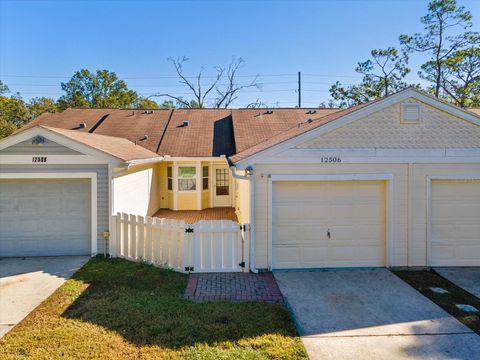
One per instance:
(309, 121)
(411, 113)
(268, 112)
(185, 123)
(82, 125)
(145, 137)
(311, 112)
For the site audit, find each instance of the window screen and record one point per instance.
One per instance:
(221, 182)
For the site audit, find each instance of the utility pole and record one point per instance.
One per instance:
(299, 89)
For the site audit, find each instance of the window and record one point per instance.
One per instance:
(205, 178)
(221, 182)
(186, 178)
(410, 113)
(169, 178)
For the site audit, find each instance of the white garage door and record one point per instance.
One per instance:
(455, 223)
(45, 217)
(328, 224)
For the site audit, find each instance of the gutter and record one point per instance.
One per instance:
(251, 178)
(143, 161)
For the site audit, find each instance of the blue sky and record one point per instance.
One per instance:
(47, 41)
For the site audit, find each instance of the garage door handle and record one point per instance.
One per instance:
(328, 234)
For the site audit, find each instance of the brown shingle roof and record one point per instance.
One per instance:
(120, 148)
(295, 131)
(253, 126)
(475, 110)
(210, 132)
(69, 119)
(198, 138)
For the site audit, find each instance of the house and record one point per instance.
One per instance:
(394, 182)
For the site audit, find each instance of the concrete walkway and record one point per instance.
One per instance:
(371, 314)
(468, 278)
(26, 282)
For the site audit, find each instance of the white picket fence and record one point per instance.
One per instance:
(206, 246)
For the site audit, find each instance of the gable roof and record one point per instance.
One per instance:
(120, 148)
(374, 105)
(254, 126)
(301, 128)
(235, 133)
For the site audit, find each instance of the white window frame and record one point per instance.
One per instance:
(195, 177)
(71, 175)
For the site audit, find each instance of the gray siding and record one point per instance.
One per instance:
(102, 188)
(48, 148)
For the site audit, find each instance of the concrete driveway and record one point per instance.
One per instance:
(26, 282)
(371, 314)
(468, 278)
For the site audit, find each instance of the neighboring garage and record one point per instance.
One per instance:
(454, 233)
(45, 217)
(328, 224)
(55, 193)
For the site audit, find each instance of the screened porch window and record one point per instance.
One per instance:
(205, 178)
(169, 178)
(186, 178)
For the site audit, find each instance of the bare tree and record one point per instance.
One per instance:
(229, 93)
(202, 94)
(256, 104)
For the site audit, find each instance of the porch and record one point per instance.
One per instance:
(193, 216)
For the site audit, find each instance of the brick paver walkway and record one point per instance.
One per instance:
(192, 216)
(233, 287)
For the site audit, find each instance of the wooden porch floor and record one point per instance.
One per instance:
(192, 216)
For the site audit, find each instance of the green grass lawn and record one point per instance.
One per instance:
(119, 309)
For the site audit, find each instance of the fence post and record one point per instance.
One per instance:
(112, 243)
(140, 238)
(132, 241)
(148, 239)
(125, 235)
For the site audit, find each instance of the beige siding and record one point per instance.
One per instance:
(398, 247)
(242, 200)
(384, 129)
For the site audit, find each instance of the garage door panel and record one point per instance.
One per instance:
(303, 212)
(44, 217)
(454, 238)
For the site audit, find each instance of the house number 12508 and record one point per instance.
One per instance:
(330, 159)
(39, 159)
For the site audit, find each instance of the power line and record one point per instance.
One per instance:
(142, 77)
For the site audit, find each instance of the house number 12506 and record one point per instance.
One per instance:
(39, 159)
(330, 159)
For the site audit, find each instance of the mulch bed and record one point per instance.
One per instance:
(423, 280)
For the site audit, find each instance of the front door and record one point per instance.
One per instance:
(222, 192)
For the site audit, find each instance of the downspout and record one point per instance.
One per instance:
(251, 178)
